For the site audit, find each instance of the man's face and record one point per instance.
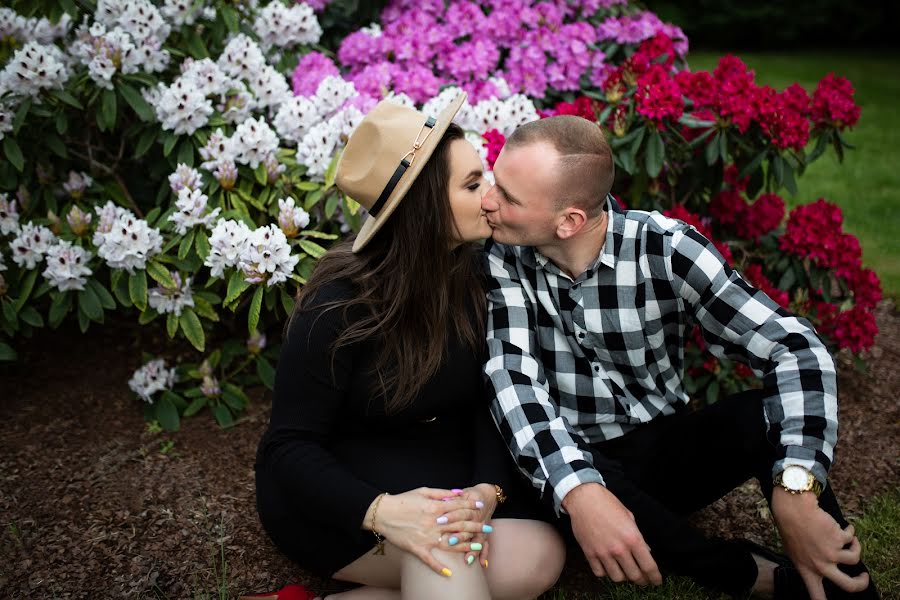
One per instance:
(520, 207)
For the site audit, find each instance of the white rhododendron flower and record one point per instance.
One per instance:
(237, 104)
(25, 29)
(278, 25)
(192, 205)
(9, 216)
(318, 146)
(6, 120)
(206, 75)
(332, 93)
(295, 117)
(171, 300)
(291, 218)
(219, 147)
(253, 141)
(33, 68)
(227, 242)
(242, 58)
(31, 244)
(186, 12)
(67, 266)
(185, 177)
(182, 108)
(267, 256)
(270, 88)
(153, 377)
(128, 242)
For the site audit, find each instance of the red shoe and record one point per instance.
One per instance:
(293, 591)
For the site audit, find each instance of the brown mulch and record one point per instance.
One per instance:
(93, 505)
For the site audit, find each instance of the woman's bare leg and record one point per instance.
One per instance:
(526, 558)
(366, 593)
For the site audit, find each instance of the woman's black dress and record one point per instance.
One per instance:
(330, 449)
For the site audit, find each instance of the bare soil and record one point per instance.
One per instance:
(93, 505)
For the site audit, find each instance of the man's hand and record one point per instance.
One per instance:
(815, 543)
(609, 536)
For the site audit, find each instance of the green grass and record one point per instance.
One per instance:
(878, 529)
(867, 184)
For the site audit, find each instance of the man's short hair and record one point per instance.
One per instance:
(585, 169)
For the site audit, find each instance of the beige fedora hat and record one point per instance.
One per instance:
(384, 155)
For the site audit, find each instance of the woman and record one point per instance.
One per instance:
(380, 416)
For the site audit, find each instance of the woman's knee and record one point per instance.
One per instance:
(527, 562)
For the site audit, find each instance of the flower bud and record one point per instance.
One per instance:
(257, 342)
(78, 220)
(55, 224)
(210, 387)
(205, 369)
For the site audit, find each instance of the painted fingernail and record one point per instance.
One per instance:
(456, 491)
(479, 504)
(442, 520)
(446, 499)
(486, 529)
(485, 563)
(453, 540)
(446, 572)
(470, 559)
(476, 546)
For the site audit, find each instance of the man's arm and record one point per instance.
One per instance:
(742, 323)
(542, 442)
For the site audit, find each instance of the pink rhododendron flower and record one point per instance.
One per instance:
(760, 217)
(833, 104)
(495, 141)
(310, 71)
(658, 97)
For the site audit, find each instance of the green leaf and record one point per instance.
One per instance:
(56, 145)
(255, 308)
(332, 169)
(59, 306)
(195, 406)
(712, 150)
(171, 324)
(723, 148)
(20, 116)
(13, 153)
(789, 182)
(656, 154)
(25, 291)
(787, 280)
(753, 165)
(137, 289)
(205, 309)
(170, 139)
(106, 299)
(193, 329)
(712, 392)
(120, 288)
(137, 103)
(186, 152)
(31, 316)
(145, 142)
(108, 109)
(195, 45)
(236, 286)
(68, 98)
(167, 414)
(260, 174)
(201, 243)
(187, 242)
(266, 372)
(312, 248)
(148, 316)
(7, 353)
(239, 398)
(331, 205)
(307, 186)
(62, 123)
(319, 234)
(778, 168)
(90, 304)
(222, 415)
(230, 16)
(287, 303)
(160, 273)
(9, 313)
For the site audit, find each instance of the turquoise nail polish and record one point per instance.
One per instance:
(476, 546)
(486, 529)
(453, 541)
(471, 559)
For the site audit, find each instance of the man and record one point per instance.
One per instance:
(589, 311)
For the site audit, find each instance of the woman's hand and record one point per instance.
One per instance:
(419, 520)
(485, 497)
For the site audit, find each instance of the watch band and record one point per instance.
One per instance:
(815, 486)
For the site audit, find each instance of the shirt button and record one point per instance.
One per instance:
(597, 368)
(581, 335)
(575, 286)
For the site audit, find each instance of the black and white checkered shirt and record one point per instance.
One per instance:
(576, 362)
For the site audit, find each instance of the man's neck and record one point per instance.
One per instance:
(574, 255)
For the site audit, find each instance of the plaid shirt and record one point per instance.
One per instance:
(577, 362)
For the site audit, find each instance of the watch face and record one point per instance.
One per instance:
(796, 478)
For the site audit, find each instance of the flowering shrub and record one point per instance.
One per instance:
(174, 162)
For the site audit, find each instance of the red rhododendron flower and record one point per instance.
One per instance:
(582, 107)
(760, 217)
(854, 329)
(754, 274)
(736, 91)
(728, 207)
(614, 87)
(833, 104)
(495, 141)
(782, 118)
(731, 177)
(658, 97)
(617, 120)
(679, 212)
(742, 371)
(657, 46)
(814, 230)
(866, 288)
(699, 87)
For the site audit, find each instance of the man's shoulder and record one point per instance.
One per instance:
(641, 223)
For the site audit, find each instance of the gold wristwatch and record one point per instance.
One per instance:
(796, 480)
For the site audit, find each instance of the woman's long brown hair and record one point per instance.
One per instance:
(411, 283)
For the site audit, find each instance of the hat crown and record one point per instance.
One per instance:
(375, 148)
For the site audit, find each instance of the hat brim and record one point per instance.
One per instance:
(372, 225)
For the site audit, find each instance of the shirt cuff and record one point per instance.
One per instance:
(577, 474)
(801, 457)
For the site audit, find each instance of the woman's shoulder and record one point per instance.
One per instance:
(336, 290)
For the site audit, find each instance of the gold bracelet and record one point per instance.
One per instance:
(501, 495)
(379, 539)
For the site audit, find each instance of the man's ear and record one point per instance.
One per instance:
(571, 222)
